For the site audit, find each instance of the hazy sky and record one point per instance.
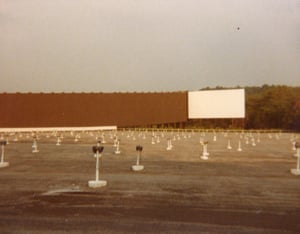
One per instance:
(147, 45)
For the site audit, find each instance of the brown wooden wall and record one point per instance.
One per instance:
(91, 109)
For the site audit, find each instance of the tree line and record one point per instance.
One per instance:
(273, 107)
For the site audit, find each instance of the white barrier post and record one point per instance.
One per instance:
(297, 170)
(152, 140)
(58, 141)
(2, 163)
(34, 145)
(117, 151)
(294, 145)
(247, 141)
(204, 153)
(115, 141)
(97, 183)
(76, 138)
(253, 141)
(16, 137)
(7, 140)
(229, 145)
(169, 146)
(215, 138)
(240, 146)
(138, 167)
(157, 139)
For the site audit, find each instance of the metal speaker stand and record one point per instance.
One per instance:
(169, 146)
(138, 167)
(3, 143)
(205, 152)
(97, 183)
(34, 145)
(117, 151)
(296, 171)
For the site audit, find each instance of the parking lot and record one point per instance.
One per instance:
(245, 189)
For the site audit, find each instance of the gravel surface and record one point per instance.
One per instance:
(248, 191)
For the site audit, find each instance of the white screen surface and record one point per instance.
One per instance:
(216, 104)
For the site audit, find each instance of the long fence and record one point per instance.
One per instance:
(19, 110)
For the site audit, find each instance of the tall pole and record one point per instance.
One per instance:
(97, 166)
(138, 167)
(2, 153)
(97, 183)
(297, 170)
(2, 163)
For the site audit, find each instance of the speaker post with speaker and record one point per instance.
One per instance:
(138, 167)
(35, 145)
(97, 150)
(296, 171)
(3, 143)
(205, 153)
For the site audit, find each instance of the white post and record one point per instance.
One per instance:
(117, 151)
(253, 142)
(58, 141)
(2, 153)
(229, 145)
(2, 163)
(35, 146)
(138, 167)
(240, 147)
(204, 152)
(97, 183)
(76, 138)
(138, 158)
(103, 139)
(215, 138)
(152, 141)
(16, 137)
(294, 145)
(297, 170)
(169, 144)
(97, 166)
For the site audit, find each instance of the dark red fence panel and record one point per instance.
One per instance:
(91, 109)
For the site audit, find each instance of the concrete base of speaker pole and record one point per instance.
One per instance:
(295, 171)
(97, 183)
(4, 164)
(204, 157)
(137, 167)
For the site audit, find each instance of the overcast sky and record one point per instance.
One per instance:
(147, 45)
